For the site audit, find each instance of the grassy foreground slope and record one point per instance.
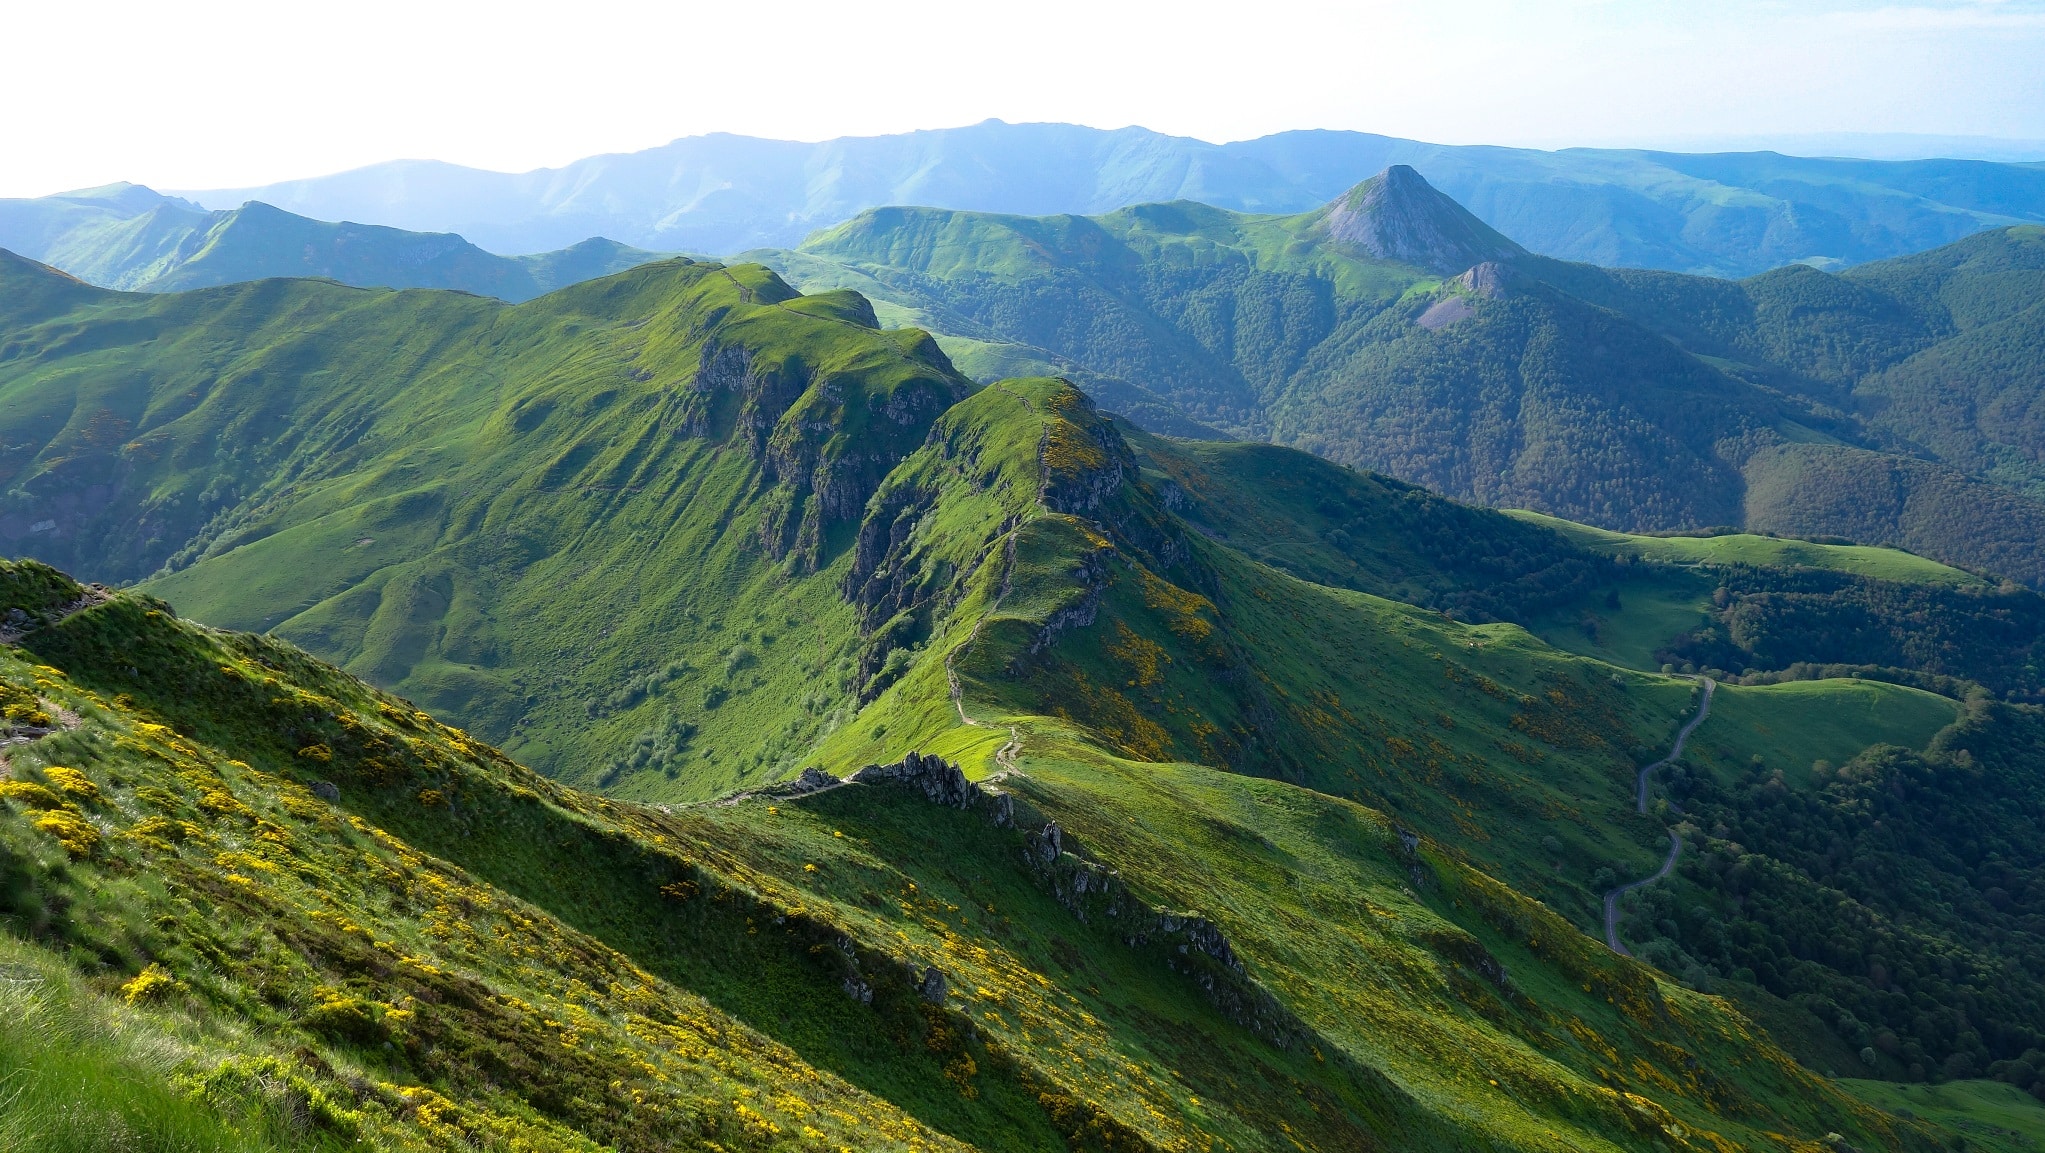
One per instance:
(360, 925)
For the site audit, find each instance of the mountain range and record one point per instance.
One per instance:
(126, 236)
(979, 770)
(1389, 328)
(1725, 214)
(1393, 330)
(867, 740)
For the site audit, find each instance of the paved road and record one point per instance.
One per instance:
(1675, 751)
(1612, 898)
(1640, 801)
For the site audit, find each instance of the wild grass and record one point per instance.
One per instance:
(1891, 564)
(81, 1074)
(1987, 1115)
(1797, 724)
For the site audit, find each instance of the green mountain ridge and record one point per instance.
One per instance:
(1885, 404)
(128, 237)
(1730, 214)
(682, 533)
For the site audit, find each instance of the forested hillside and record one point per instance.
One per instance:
(1884, 404)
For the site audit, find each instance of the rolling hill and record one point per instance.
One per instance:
(126, 236)
(681, 534)
(1728, 214)
(1392, 330)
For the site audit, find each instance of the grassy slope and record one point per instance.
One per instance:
(287, 922)
(1797, 723)
(1746, 548)
(475, 914)
(86, 1073)
(1988, 1114)
(482, 506)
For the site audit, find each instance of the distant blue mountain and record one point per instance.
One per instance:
(1728, 214)
(129, 237)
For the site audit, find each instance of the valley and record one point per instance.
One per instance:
(852, 754)
(1392, 330)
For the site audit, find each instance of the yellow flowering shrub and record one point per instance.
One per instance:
(150, 984)
(72, 831)
(30, 795)
(72, 782)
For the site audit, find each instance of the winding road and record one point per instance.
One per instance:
(1640, 803)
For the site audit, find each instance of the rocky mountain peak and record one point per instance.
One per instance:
(1398, 215)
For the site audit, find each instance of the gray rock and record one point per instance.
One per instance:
(812, 780)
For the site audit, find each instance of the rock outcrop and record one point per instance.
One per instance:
(1095, 894)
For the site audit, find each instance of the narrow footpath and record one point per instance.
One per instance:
(1640, 805)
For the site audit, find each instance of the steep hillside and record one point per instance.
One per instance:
(482, 505)
(1392, 330)
(329, 921)
(682, 531)
(128, 237)
(1731, 214)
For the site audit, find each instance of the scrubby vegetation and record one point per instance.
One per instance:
(376, 927)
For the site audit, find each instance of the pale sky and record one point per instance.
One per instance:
(218, 93)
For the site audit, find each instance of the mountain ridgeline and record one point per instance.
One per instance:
(126, 236)
(1725, 214)
(1392, 330)
(919, 764)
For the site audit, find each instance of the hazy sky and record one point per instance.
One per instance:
(213, 93)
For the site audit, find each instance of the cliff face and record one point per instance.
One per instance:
(1398, 215)
(819, 433)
